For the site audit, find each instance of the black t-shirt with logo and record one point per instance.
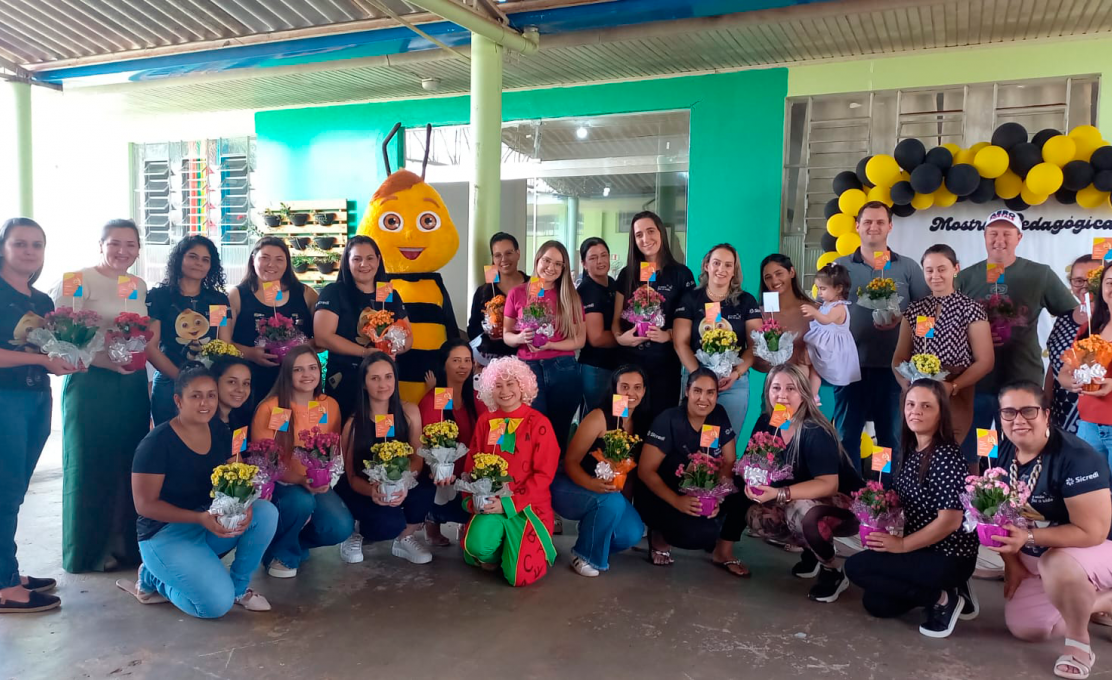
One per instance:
(19, 314)
(598, 299)
(734, 316)
(672, 282)
(672, 433)
(1070, 467)
(352, 309)
(818, 456)
(184, 321)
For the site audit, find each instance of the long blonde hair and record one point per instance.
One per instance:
(569, 308)
(808, 412)
(734, 292)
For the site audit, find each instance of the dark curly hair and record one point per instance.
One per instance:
(215, 279)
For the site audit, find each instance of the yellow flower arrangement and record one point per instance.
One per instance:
(234, 479)
(492, 467)
(928, 364)
(444, 434)
(618, 443)
(878, 289)
(215, 348)
(384, 452)
(1094, 278)
(718, 340)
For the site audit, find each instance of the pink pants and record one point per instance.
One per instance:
(1030, 615)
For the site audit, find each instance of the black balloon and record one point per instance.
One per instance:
(926, 178)
(985, 192)
(1102, 181)
(1023, 157)
(1102, 158)
(1076, 175)
(940, 158)
(902, 193)
(1065, 196)
(1016, 204)
(903, 210)
(844, 181)
(861, 175)
(1042, 135)
(829, 242)
(962, 179)
(909, 154)
(830, 209)
(1009, 135)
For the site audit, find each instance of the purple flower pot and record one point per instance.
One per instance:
(641, 328)
(540, 340)
(318, 477)
(986, 533)
(707, 505)
(281, 349)
(864, 530)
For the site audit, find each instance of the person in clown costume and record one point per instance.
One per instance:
(408, 220)
(513, 532)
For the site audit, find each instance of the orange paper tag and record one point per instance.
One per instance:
(218, 315)
(882, 459)
(272, 292)
(995, 272)
(781, 415)
(73, 284)
(1102, 249)
(881, 258)
(490, 273)
(709, 436)
(384, 425)
(384, 291)
(924, 326)
(279, 419)
(620, 408)
(442, 399)
(988, 445)
(648, 272)
(713, 311)
(239, 441)
(127, 287)
(318, 414)
(536, 287)
(497, 429)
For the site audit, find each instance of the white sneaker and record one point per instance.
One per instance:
(582, 568)
(409, 548)
(279, 570)
(351, 550)
(990, 566)
(253, 602)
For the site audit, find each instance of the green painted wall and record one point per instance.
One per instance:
(737, 125)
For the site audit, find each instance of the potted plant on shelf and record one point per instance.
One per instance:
(272, 218)
(299, 219)
(301, 263)
(324, 219)
(325, 242)
(327, 263)
(299, 242)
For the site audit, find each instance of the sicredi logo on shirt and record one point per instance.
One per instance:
(1078, 480)
(656, 436)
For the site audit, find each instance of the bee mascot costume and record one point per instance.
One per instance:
(408, 221)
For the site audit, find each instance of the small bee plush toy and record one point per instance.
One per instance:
(409, 222)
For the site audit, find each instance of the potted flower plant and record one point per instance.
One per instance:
(878, 510)
(699, 478)
(615, 458)
(127, 338)
(319, 452)
(389, 466)
(234, 489)
(991, 504)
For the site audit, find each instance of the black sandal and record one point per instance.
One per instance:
(729, 563)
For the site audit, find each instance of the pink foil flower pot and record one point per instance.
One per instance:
(707, 505)
(138, 362)
(319, 477)
(540, 340)
(281, 349)
(986, 534)
(641, 329)
(864, 530)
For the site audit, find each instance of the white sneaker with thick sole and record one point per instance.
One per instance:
(253, 602)
(990, 566)
(351, 550)
(582, 568)
(279, 570)
(409, 548)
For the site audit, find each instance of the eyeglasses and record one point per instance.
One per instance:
(548, 262)
(1078, 281)
(1029, 413)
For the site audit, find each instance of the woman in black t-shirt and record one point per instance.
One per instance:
(812, 507)
(233, 391)
(1057, 569)
(673, 518)
(504, 255)
(188, 310)
(180, 542)
(342, 312)
(599, 356)
(24, 401)
(931, 564)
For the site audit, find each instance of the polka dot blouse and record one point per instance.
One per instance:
(953, 314)
(1064, 408)
(940, 490)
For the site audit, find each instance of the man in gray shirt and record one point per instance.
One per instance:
(876, 396)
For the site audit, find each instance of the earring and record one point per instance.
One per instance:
(1048, 432)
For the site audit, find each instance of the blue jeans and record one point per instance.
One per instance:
(182, 562)
(382, 522)
(1097, 436)
(596, 385)
(306, 520)
(24, 428)
(559, 391)
(163, 407)
(607, 521)
(875, 397)
(734, 400)
(986, 409)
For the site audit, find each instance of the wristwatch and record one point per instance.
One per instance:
(1030, 539)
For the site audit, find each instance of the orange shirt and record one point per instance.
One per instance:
(299, 420)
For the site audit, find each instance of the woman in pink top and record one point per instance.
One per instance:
(544, 321)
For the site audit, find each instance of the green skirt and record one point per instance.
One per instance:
(104, 415)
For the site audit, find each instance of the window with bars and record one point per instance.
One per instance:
(825, 135)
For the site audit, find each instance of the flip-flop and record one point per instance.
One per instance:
(666, 554)
(729, 563)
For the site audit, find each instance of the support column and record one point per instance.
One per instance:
(486, 136)
(20, 97)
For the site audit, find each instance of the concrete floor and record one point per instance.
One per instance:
(385, 618)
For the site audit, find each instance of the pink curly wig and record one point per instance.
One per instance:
(507, 368)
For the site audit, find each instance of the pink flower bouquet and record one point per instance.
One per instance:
(71, 335)
(127, 340)
(991, 504)
(1003, 316)
(278, 335)
(644, 310)
(319, 452)
(266, 455)
(535, 317)
(772, 343)
(878, 509)
(763, 461)
(699, 478)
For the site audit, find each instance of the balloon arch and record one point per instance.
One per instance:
(1073, 168)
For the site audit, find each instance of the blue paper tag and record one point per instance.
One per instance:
(285, 427)
(278, 295)
(133, 295)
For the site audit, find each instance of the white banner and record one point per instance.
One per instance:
(1053, 234)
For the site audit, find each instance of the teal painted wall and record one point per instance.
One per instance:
(736, 159)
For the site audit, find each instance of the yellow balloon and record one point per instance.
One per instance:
(965, 156)
(882, 170)
(991, 161)
(866, 445)
(905, 176)
(850, 201)
(1059, 150)
(978, 146)
(1044, 179)
(1091, 197)
(1086, 147)
(840, 224)
(922, 201)
(881, 193)
(1009, 184)
(1030, 197)
(825, 259)
(848, 243)
(943, 198)
(952, 148)
(1085, 133)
